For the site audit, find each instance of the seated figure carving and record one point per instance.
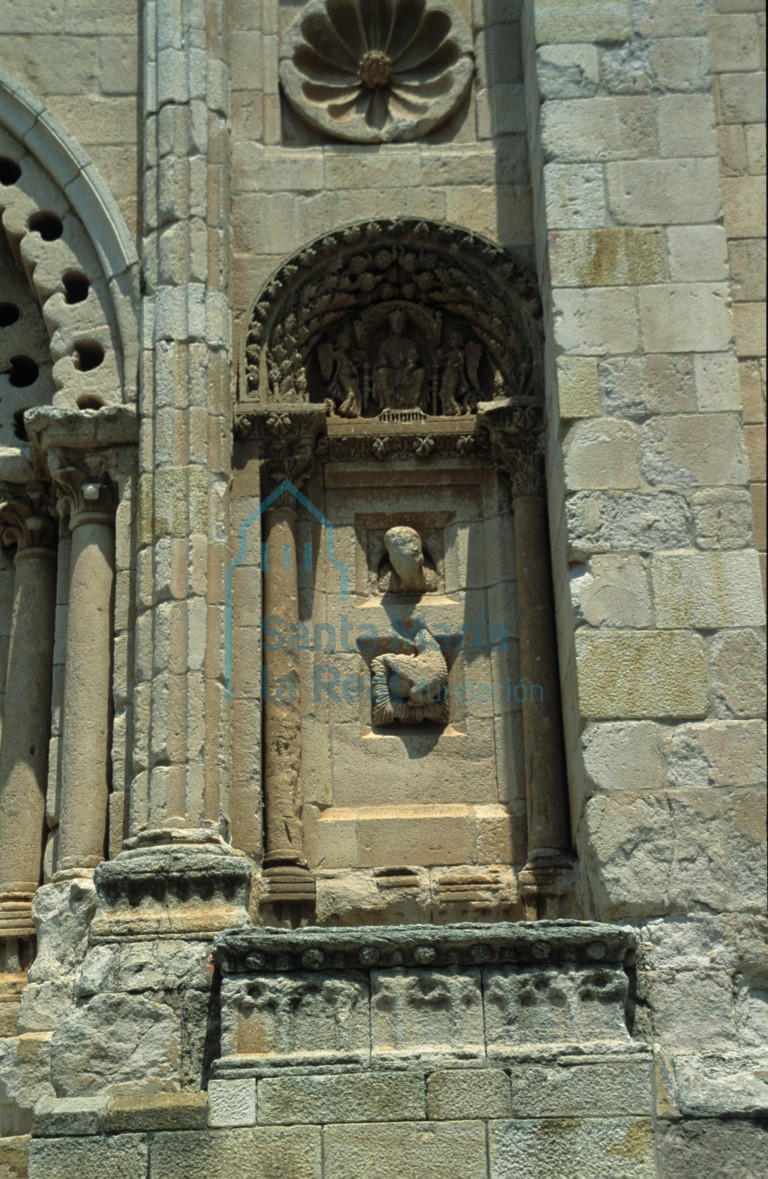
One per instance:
(411, 688)
(399, 381)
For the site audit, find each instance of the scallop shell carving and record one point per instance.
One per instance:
(373, 71)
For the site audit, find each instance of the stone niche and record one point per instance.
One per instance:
(389, 416)
(422, 996)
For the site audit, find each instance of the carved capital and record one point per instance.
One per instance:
(26, 519)
(84, 496)
(288, 438)
(513, 432)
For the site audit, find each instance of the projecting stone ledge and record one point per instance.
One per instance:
(468, 994)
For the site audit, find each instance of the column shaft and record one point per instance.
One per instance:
(548, 824)
(87, 695)
(282, 712)
(26, 730)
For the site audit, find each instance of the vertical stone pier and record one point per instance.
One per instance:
(513, 431)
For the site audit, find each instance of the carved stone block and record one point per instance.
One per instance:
(298, 1019)
(426, 1013)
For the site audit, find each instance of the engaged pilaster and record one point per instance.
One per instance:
(27, 523)
(513, 430)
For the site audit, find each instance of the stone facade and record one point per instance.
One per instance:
(382, 501)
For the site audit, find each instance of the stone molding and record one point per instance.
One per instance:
(174, 889)
(394, 997)
(375, 74)
(418, 946)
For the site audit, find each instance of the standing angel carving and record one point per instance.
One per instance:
(459, 385)
(340, 372)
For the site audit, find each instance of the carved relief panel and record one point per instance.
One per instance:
(406, 357)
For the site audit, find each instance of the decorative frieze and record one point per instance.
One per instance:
(384, 997)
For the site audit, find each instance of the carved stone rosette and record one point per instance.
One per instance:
(376, 72)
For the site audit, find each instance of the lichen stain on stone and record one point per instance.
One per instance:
(559, 1125)
(636, 1144)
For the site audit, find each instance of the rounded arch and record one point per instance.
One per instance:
(68, 236)
(446, 276)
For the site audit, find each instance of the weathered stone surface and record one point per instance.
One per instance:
(636, 675)
(564, 1145)
(731, 1148)
(259, 1153)
(232, 1102)
(707, 591)
(25, 1077)
(599, 522)
(625, 756)
(671, 840)
(141, 966)
(737, 690)
(612, 590)
(455, 1150)
(717, 753)
(14, 1156)
(156, 1111)
(636, 386)
(710, 1086)
(577, 1086)
(602, 453)
(723, 518)
(65, 1117)
(458, 1094)
(352, 1098)
(687, 450)
(126, 1043)
(124, 1157)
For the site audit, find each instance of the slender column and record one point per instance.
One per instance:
(548, 824)
(87, 677)
(513, 431)
(287, 437)
(27, 523)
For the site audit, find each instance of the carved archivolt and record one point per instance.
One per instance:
(73, 260)
(376, 70)
(398, 320)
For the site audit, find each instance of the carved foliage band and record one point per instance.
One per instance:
(376, 70)
(400, 320)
